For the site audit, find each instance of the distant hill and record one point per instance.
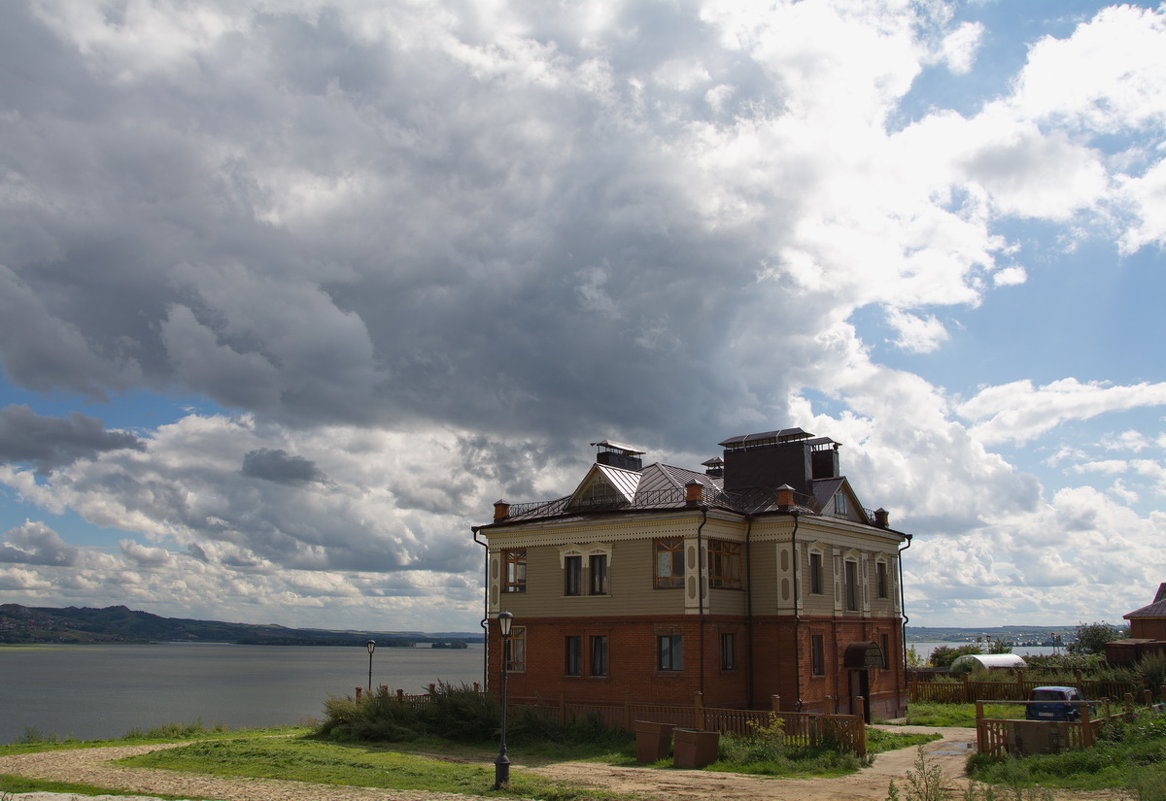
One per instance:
(31, 624)
(1015, 635)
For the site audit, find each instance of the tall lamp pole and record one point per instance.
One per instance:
(371, 645)
(502, 763)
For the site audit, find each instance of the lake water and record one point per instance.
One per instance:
(102, 691)
(924, 649)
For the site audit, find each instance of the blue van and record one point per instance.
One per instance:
(1054, 703)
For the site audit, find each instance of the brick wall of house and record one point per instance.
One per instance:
(633, 670)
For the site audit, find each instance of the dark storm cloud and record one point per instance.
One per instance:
(51, 442)
(320, 227)
(37, 544)
(275, 464)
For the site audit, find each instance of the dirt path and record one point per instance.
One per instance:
(92, 766)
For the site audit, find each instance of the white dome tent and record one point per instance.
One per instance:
(969, 662)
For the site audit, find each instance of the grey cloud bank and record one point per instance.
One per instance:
(418, 256)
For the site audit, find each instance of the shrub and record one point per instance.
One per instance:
(944, 655)
(1092, 637)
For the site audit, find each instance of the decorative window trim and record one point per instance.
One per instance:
(817, 582)
(513, 581)
(724, 564)
(672, 580)
(882, 578)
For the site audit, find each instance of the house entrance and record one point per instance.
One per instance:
(861, 658)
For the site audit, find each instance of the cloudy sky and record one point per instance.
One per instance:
(291, 292)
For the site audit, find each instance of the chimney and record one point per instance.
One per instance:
(501, 510)
(693, 493)
(882, 517)
(616, 454)
(785, 496)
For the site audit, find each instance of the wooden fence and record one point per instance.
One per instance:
(798, 728)
(966, 691)
(992, 734)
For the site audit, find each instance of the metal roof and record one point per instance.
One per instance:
(764, 438)
(1156, 609)
(618, 446)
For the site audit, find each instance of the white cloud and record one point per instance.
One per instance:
(917, 334)
(422, 250)
(1019, 411)
(960, 46)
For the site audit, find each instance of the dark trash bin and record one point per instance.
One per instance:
(694, 748)
(653, 740)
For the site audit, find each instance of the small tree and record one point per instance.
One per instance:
(944, 655)
(998, 646)
(1092, 637)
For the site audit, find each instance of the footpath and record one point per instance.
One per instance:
(93, 766)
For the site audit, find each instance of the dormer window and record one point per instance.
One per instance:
(840, 503)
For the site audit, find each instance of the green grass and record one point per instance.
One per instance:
(310, 760)
(879, 740)
(34, 740)
(1129, 756)
(958, 715)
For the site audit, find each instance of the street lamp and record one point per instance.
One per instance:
(502, 763)
(371, 645)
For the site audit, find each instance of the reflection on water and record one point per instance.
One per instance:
(101, 691)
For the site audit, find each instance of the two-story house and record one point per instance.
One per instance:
(761, 575)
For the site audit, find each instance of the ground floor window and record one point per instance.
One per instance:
(817, 656)
(671, 652)
(728, 651)
(515, 650)
(599, 656)
(574, 656)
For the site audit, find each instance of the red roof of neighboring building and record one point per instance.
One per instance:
(1156, 609)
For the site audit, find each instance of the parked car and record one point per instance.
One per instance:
(1054, 703)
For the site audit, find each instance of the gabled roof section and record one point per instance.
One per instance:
(824, 491)
(604, 483)
(1156, 609)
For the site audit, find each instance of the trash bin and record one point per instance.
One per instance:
(653, 740)
(694, 748)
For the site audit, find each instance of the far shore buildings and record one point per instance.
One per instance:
(761, 575)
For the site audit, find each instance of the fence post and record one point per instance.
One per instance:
(627, 709)
(698, 710)
(359, 690)
(860, 737)
(967, 688)
(1162, 692)
(477, 687)
(775, 704)
(400, 696)
(562, 707)
(981, 728)
(1147, 698)
(1128, 702)
(1086, 727)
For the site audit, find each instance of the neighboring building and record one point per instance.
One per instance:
(1147, 632)
(761, 576)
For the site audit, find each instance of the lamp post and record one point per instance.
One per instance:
(371, 645)
(502, 763)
